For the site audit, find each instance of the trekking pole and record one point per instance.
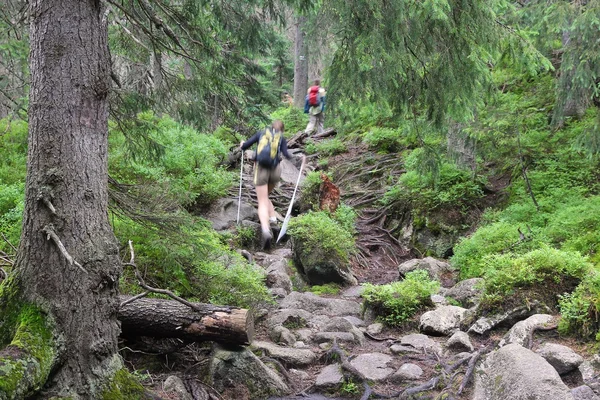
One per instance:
(289, 211)
(240, 195)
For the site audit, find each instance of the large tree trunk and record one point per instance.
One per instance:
(65, 222)
(171, 319)
(300, 63)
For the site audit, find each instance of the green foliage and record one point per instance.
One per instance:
(317, 230)
(433, 188)
(189, 165)
(580, 309)
(325, 148)
(293, 118)
(244, 236)
(346, 217)
(326, 289)
(349, 387)
(397, 302)
(311, 186)
(193, 263)
(383, 139)
(542, 267)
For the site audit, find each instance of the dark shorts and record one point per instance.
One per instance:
(267, 176)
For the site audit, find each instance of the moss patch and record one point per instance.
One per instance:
(26, 363)
(124, 386)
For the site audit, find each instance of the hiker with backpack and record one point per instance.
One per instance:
(267, 171)
(314, 106)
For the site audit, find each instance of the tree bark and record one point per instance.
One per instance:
(169, 318)
(300, 63)
(67, 262)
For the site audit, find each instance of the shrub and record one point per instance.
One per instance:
(383, 139)
(311, 186)
(397, 302)
(543, 271)
(293, 119)
(346, 217)
(193, 263)
(580, 309)
(326, 148)
(316, 230)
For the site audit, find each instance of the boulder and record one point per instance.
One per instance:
(444, 320)
(317, 305)
(288, 356)
(175, 385)
(329, 377)
(321, 266)
(421, 342)
(460, 341)
(281, 334)
(466, 292)
(516, 373)
(223, 213)
(242, 369)
(584, 393)
(507, 318)
(373, 366)
(439, 270)
(407, 372)
(562, 358)
(522, 330)
(339, 324)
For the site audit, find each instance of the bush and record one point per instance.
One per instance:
(383, 139)
(397, 302)
(326, 148)
(293, 119)
(540, 273)
(311, 186)
(193, 263)
(317, 230)
(580, 310)
(189, 164)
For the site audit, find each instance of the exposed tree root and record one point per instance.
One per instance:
(26, 362)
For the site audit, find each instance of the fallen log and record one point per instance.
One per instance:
(171, 319)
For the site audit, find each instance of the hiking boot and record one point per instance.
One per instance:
(275, 228)
(266, 239)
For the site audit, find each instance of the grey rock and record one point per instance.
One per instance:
(401, 349)
(320, 265)
(516, 373)
(521, 331)
(421, 342)
(278, 293)
(443, 320)
(339, 324)
(329, 377)
(438, 270)
(289, 172)
(508, 318)
(299, 374)
(460, 341)
(438, 300)
(467, 292)
(407, 372)
(353, 292)
(354, 321)
(562, 358)
(280, 266)
(373, 366)
(175, 384)
(375, 329)
(301, 345)
(280, 334)
(315, 304)
(327, 337)
(289, 356)
(584, 392)
(290, 318)
(279, 280)
(229, 369)
(304, 335)
(223, 213)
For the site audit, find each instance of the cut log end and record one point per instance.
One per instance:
(171, 319)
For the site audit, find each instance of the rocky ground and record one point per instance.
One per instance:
(316, 347)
